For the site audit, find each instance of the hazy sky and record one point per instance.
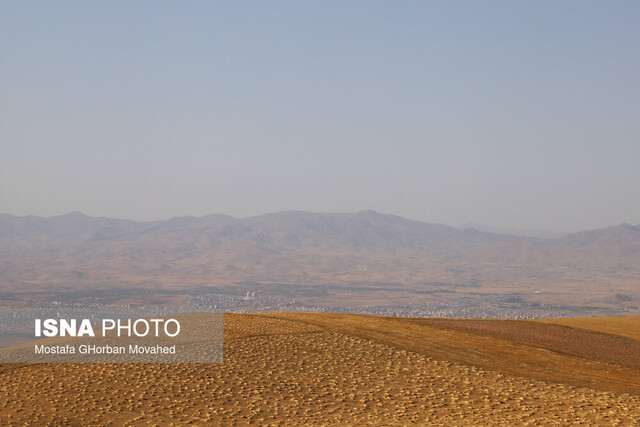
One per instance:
(518, 114)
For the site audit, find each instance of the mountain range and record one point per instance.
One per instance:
(540, 233)
(75, 251)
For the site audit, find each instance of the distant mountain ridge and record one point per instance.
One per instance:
(540, 233)
(75, 250)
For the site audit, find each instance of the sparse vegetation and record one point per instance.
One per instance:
(287, 369)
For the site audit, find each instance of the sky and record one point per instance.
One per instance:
(510, 114)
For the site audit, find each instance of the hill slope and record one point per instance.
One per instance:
(344, 369)
(75, 251)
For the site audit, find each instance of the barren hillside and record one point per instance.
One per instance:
(292, 369)
(303, 250)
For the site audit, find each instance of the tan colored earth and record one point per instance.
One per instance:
(333, 369)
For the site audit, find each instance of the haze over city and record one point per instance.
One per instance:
(336, 213)
(520, 115)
